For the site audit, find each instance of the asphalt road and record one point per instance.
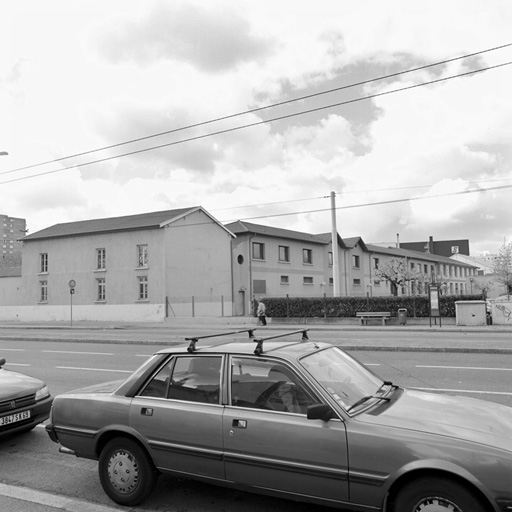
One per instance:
(32, 462)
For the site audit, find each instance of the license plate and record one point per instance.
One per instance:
(13, 418)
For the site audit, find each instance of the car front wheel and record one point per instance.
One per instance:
(436, 495)
(126, 472)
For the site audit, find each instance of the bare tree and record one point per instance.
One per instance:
(397, 272)
(503, 267)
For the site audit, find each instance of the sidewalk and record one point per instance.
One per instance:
(24, 499)
(444, 338)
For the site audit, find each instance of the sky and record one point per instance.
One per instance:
(259, 111)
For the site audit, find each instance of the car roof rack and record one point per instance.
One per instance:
(194, 339)
(259, 341)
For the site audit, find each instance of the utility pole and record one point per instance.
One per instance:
(335, 262)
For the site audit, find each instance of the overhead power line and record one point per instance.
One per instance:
(257, 123)
(378, 203)
(257, 109)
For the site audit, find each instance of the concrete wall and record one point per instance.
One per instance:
(197, 272)
(501, 310)
(102, 313)
(10, 290)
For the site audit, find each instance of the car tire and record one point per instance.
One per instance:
(436, 495)
(126, 471)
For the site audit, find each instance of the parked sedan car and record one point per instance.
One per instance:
(24, 401)
(289, 417)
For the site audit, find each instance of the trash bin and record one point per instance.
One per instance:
(402, 316)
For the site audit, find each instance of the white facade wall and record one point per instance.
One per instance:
(188, 274)
(10, 290)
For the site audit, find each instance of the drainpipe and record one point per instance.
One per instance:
(250, 274)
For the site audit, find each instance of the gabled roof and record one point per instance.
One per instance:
(241, 227)
(354, 241)
(407, 253)
(152, 220)
(327, 238)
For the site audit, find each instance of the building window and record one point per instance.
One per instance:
(330, 259)
(356, 263)
(143, 288)
(331, 281)
(307, 280)
(142, 253)
(376, 263)
(284, 253)
(43, 263)
(258, 251)
(307, 256)
(285, 279)
(357, 282)
(101, 287)
(101, 259)
(44, 291)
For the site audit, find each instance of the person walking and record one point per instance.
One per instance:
(260, 313)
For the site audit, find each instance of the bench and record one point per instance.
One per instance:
(364, 316)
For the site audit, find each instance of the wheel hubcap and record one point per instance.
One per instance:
(436, 505)
(123, 471)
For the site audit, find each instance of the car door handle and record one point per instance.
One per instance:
(146, 411)
(240, 423)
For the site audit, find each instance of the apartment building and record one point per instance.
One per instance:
(11, 230)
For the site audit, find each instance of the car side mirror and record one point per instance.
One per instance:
(2, 362)
(319, 412)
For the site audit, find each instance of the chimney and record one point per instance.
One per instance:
(431, 244)
(398, 240)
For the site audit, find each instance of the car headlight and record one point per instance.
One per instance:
(42, 393)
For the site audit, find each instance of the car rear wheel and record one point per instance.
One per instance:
(126, 471)
(436, 495)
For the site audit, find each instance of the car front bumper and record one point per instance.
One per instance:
(39, 412)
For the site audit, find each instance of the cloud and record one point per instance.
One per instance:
(211, 39)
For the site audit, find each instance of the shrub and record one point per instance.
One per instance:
(339, 307)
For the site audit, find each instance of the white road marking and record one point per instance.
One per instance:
(74, 352)
(92, 369)
(464, 368)
(12, 349)
(17, 364)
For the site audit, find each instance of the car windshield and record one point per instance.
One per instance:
(344, 378)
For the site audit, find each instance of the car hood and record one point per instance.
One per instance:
(13, 385)
(447, 415)
(104, 387)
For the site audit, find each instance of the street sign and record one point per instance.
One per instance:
(72, 283)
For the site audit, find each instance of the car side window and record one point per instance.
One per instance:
(196, 379)
(268, 385)
(190, 378)
(157, 386)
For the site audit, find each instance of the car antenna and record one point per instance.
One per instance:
(259, 341)
(194, 339)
